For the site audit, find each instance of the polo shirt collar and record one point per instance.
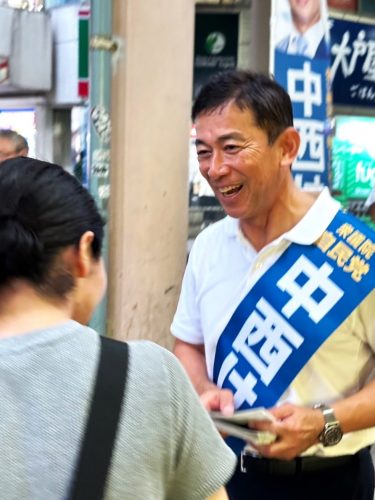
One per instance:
(317, 218)
(307, 230)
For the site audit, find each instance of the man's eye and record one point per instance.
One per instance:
(231, 148)
(203, 153)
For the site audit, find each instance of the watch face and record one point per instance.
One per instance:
(332, 435)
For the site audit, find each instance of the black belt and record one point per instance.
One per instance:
(299, 465)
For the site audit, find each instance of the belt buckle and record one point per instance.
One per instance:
(245, 452)
(242, 464)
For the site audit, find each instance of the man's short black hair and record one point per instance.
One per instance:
(266, 99)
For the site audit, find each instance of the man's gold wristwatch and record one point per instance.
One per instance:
(332, 433)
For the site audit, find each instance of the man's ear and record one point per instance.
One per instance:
(84, 254)
(289, 142)
(23, 152)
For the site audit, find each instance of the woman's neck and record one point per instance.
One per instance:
(22, 310)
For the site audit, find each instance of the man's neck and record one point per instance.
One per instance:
(282, 217)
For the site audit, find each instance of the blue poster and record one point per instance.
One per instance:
(300, 63)
(353, 63)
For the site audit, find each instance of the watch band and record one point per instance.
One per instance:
(327, 411)
(331, 433)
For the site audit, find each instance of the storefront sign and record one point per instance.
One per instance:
(353, 63)
(300, 63)
(343, 4)
(216, 45)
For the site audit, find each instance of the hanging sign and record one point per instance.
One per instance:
(353, 63)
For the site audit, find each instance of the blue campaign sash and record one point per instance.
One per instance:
(292, 309)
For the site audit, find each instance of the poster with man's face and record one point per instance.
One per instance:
(300, 62)
(300, 27)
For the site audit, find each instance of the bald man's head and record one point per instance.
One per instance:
(12, 144)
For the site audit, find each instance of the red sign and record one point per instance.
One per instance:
(343, 4)
(4, 69)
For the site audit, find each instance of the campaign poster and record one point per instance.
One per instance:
(300, 62)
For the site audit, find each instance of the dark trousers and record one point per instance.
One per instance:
(352, 480)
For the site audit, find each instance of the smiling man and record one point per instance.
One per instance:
(277, 301)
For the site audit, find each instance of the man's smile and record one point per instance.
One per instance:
(230, 190)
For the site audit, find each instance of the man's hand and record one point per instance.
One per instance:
(296, 427)
(193, 359)
(216, 399)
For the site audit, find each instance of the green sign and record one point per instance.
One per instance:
(353, 173)
(353, 163)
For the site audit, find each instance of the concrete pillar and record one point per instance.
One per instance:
(44, 135)
(259, 27)
(62, 138)
(245, 37)
(151, 100)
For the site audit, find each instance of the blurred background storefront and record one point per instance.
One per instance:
(229, 36)
(41, 52)
(44, 84)
(165, 52)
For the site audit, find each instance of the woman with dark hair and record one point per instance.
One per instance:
(51, 278)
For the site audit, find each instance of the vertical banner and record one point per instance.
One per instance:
(300, 62)
(83, 52)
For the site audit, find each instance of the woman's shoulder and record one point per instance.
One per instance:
(150, 363)
(150, 356)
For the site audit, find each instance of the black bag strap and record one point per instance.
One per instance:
(101, 427)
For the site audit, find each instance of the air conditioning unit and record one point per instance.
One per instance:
(25, 51)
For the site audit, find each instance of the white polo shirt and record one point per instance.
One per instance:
(223, 266)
